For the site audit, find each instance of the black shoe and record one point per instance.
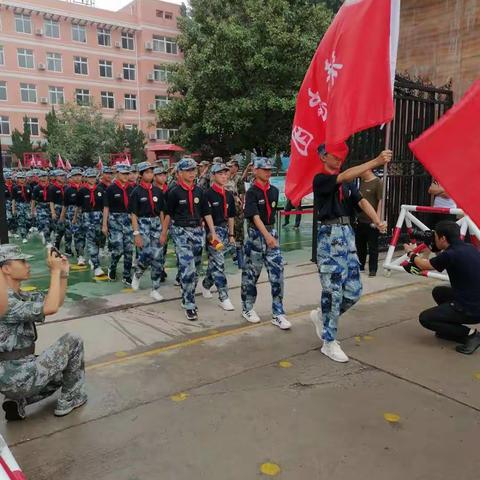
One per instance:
(191, 315)
(112, 274)
(163, 276)
(14, 410)
(285, 225)
(372, 274)
(471, 344)
(451, 338)
(362, 268)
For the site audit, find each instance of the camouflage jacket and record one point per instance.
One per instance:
(17, 326)
(236, 185)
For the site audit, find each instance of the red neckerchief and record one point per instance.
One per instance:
(24, 195)
(149, 187)
(189, 189)
(60, 187)
(91, 189)
(9, 185)
(123, 188)
(76, 186)
(163, 187)
(265, 189)
(106, 185)
(131, 184)
(222, 192)
(44, 190)
(340, 193)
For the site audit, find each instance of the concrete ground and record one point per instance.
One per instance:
(222, 399)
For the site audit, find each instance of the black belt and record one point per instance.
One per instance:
(17, 354)
(186, 224)
(268, 227)
(335, 221)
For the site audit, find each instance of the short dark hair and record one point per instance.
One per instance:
(448, 229)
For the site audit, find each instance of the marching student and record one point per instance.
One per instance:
(222, 207)
(146, 206)
(187, 208)
(21, 198)
(40, 206)
(56, 193)
(261, 246)
(335, 197)
(160, 181)
(116, 224)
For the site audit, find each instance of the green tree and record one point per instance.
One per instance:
(244, 64)
(136, 142)
(21, 141)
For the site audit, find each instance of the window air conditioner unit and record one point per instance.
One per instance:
(152, 107)
(152, 136)
(41, 66)
(118, 45)
(151, 77)
(39, 32)
(43, 100)
(148, 46)
(119, 76)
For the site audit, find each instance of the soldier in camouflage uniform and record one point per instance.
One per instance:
(24, 377)
(11, 224)
(22, 195)
(335, 197)
(41, 207)
(261, 246)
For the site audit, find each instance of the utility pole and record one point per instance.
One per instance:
(3, 203)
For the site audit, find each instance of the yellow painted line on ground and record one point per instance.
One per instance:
(270, 469)
(179, 397)
(285, 364)
(391, 417)
(477, 375)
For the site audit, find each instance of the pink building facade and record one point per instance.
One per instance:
(54, 52)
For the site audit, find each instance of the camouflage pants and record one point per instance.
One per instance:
(23, 212)
(34, 378)
(74, 231)
(11, 219)
(339, 271)
(239, 230)
(257, 254)
(120, 239)
(189, 244)
(216, 266)
(92, 222)
(58, 226)
(152, 252)
(44, 220)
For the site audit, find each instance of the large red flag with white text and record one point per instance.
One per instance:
(450, 151)
(348, 86)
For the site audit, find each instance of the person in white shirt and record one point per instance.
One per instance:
(440, 200)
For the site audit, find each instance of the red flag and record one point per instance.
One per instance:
(68, 165)
(50, 164)
(449, 150)
(100, 163)
(347, 88)
(60, 163)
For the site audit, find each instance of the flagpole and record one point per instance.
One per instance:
(388, 130)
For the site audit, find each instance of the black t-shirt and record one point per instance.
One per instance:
(22, 196)
(114, 199)
(84, 199)
(55, 194)
(38, 196)
(139, 202)
(70, 197)
(217, 207)
(255, 204)
(332, 199)
(178, 206)
(462, 262)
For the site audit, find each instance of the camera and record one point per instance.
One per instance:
(427, 237)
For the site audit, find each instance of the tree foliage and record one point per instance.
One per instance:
(21, 141)
(244, 64)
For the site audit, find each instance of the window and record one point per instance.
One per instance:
(105, 68)
(33, 124)
(82, 96)
(165, 133)
(165, 45)
(162, 73)
(52, 28)
(130, 101)
(130, 126)
(104, 37)
(108, 100)
(2, 56)
(3, 90)
(161, 101)
(168, 16)
(160, 13)
(4, 126)
(80, 65)
(28, 92)
(25, 57)
(129, 71)
(54, 62)
(23, 23)
(79, 34)
(56, 95)
(128, 41)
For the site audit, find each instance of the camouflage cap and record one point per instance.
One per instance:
(186, 164)
(233, 162)
(21, 175)
(159, 170)
(144, 166)
(219, 167)
(107, 170)
(91, 173)
(134, 167)
(76, 171)
(60, 173)
(218, 160)
(263, 163)
(7, 175)
(123, 168)
(41, 173)
(9, 251)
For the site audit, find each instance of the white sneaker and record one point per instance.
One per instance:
(281, 322)
(81, 261)
(24, 240)
(90, 264)
(135, 282)
(99, 272)
(206, 292)
(155, 294)
(227, 305)
(334, 351)
(251, 316)
(42, 238)
(317, 322)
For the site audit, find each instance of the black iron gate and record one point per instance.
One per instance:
(417, 107)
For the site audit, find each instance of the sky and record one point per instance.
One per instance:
(117, 4)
